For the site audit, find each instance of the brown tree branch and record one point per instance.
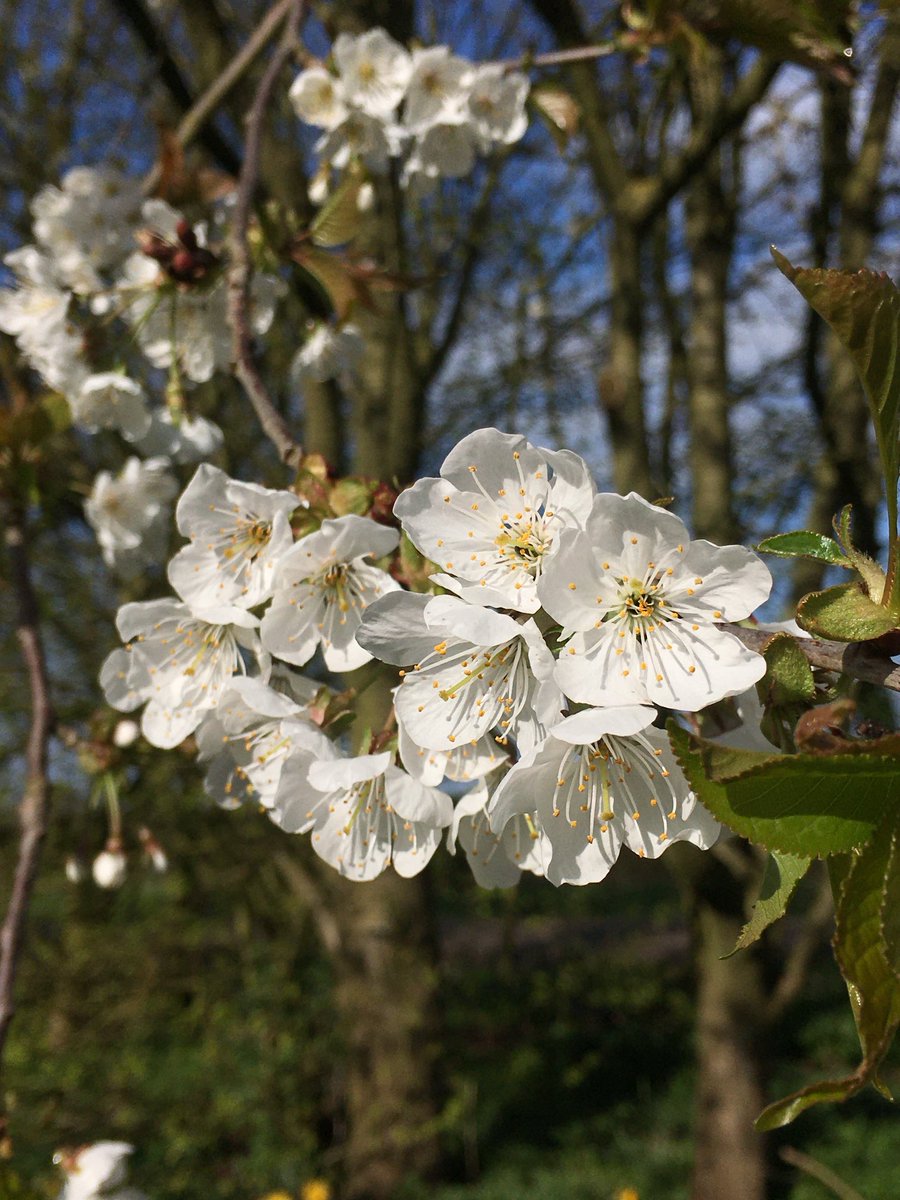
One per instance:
(35, 804)
(858, 660)
(195, 119)
(240, 272)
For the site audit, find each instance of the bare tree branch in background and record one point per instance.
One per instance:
(240, 273)
(35, 804)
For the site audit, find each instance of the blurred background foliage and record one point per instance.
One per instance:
(216, 1015)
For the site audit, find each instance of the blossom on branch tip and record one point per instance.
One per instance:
(639, 602)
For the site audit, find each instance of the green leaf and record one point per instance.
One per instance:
(783, 873)
(863, 310)
(804, 544)
(789, 676)
(844, 614)
(804, 804)
(338, 220)
(865, 886)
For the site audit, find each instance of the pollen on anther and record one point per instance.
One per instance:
(717, 615)
(634, 541)
(691, 670)
(572, 587)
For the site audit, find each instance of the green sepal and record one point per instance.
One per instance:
(782, 874)
(802, 543)
(844, 614)
(788, 678)
(804, 804)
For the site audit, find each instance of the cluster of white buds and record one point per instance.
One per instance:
(432, 108)
(567, 619)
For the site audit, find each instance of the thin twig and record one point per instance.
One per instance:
(199, 113)
(856, 660)
(240, 273)
(559, 57)
(35, 804)
(817, 1170)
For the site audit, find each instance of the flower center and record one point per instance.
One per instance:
(523, 544)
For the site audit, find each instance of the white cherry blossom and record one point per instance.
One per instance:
(370, 139)
(322, 586)
(639, 602)
(318, 98)
(180, 662)
(327, 353)
(494, 517)
(110, 400)
(180, 437)
(445, 150)
(110, 868)
(95, 1170)
(496, 104)
(462, 765)
(238, 531)
(474, 670)
(248, 740)
(437, 89)
(602, 779)
(365, 814)
(497, 860)
(374, 70)
(130, 513)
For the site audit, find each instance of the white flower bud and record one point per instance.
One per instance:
(74, 869)
(110, 868)
(126, 734)
(365, 198)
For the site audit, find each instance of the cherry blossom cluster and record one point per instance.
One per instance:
(432, 108)
(560, 623)
(119, 300)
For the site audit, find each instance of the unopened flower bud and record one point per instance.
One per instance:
(110, 866)
(74, 869)
(365, 198)
(126, 734)
(159, 860)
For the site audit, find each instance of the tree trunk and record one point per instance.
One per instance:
(386, 999)
(732, 1022)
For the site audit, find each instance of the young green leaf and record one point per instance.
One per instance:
(783, 873)
(865, 885)
(338, 220)
(803, 804)
(844, 614)
(802, 543)
(863, 309)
